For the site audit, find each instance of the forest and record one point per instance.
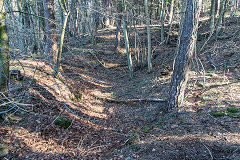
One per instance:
(120, 79)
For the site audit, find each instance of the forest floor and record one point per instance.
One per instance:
(94, 91)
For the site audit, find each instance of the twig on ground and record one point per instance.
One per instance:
(134, 100)
(93, 54)
(209, 58)
(208, 150)
(233, 152)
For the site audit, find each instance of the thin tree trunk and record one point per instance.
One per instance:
(4, 55)
(162, 19)
(59, 56)
(108, 11)
(234, 7)
(220, 19)
(20, 27)
(185, 52)
(118, 33)
(217, 7)
(212, 23)
(149, 56)
(169, 32)
(171, 12)
(129, 56)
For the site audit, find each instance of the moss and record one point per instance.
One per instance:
(233, 110)
(64, 123)
(218, 114)
(79, 97)
(146, 129)
(234, 115)
(135, 148)
(76, 98)
(181, 121)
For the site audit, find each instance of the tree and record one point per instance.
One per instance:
(162, 19)
(212, 24)
(185, 50)
(118, 21)
(59, 54)
(171, 11)
(129, 56)
(149, 57)
(220, 18)
(4, 52)
(234, 7)
(52, 47)
(170, 21)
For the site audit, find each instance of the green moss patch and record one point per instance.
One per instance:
(233, 110)
(64, 123)
(217, 114)
(234, 115)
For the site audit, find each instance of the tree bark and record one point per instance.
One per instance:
(108, 12)
(220, 18)
(129, 56)
(234, 7)
(171, 12)
(118, 33)
(185, 52)
(4, 54)
(59, 56)
(149, 55)
(217, 7)
(162, 19)
(171, 17)
(212, 24)
(52, 47)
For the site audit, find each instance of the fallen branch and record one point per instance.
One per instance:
(117, 66)
(133, 100)
(97, 59)
(210, 153)
(212, 62)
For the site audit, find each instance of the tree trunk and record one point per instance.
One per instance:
(59, 56)
(52, 47)
(171, 17)
(220, 18)
(212, 24)
(129, 56)
(185, 52)
(234, 8)
(171, 12)
(162, 19)
(149, 56)
(4, 55)
(118, 33)
(217, 7)
(108, 12)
